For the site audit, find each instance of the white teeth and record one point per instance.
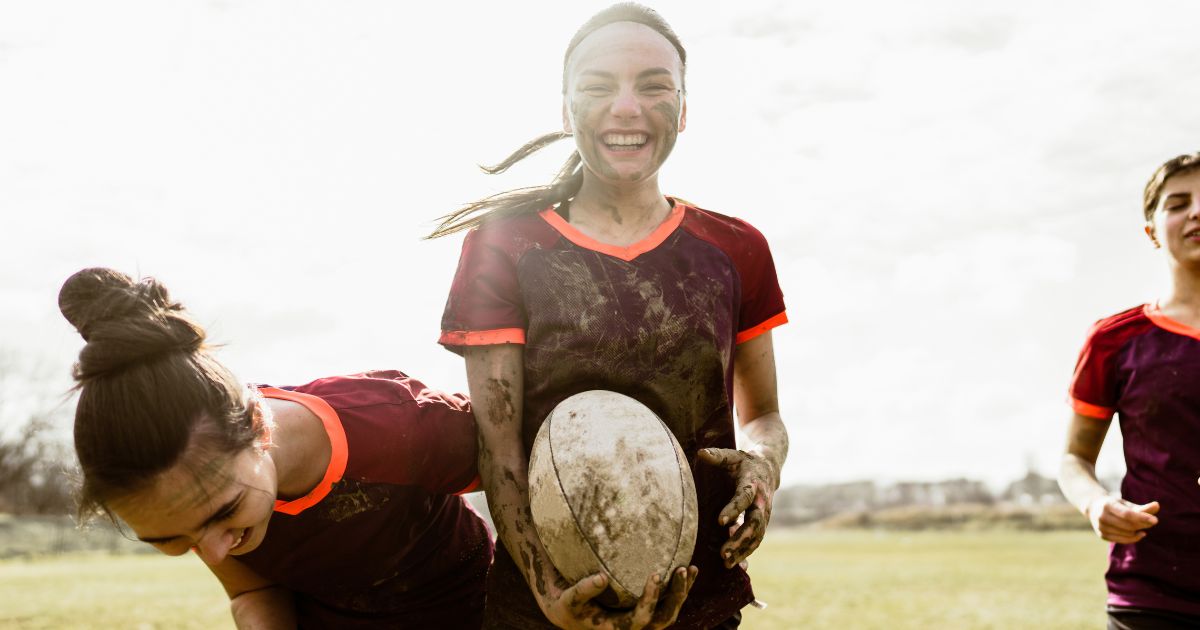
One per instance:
(239, 539)
(621, 139)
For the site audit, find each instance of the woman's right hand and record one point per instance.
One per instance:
(1120, 521)
(574, 609)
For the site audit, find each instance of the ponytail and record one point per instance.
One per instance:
(511, 203)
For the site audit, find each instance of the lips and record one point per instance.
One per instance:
(624, 141)
(240, 539)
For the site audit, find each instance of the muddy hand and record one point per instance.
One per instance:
(756, 481)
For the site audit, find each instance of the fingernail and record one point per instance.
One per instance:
(598, 580)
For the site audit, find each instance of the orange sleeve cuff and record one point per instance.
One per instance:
(481, 337)
(1091, 411)
(471, 487)
(750, 333)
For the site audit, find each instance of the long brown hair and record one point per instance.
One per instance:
(569, 179)
(1174, 166)
(148, 388)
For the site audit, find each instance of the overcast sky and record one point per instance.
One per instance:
(951, 190)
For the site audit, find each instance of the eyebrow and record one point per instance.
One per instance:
(649, 72)
(224, 509)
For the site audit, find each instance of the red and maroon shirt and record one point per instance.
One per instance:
(658, 320)
(382, 541)
(1145, 368)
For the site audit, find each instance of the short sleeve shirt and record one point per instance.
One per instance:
(658, 321)
(1145, 368)
(383, 540)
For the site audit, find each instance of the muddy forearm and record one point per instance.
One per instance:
(768, 438)
(495, 377)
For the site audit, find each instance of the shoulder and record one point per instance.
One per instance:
(513, 235)
(1113, 331)
(379, 387)
(709, 224)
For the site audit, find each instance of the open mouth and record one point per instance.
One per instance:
(241, 539)
(625, 141)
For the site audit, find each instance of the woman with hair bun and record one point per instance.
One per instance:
(599, 281)
(326, 505)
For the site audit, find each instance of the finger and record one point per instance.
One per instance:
(742, 500)
(677, 590)
(1122, 538)
(1111, 530)
(1149, 508)
(585, 590)
(643, 612)
(727, 458)
(1129, 519)
(745, 540)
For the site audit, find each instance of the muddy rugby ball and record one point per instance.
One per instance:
(611, 491)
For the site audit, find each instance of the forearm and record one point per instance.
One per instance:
(1078, 482)
(767, 437)
(495, 376)
(264, 609)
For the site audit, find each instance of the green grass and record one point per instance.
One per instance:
(898, 580)
(809, 579)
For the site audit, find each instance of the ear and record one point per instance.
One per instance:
(1149, 227)
(682, 112)
(566, 115)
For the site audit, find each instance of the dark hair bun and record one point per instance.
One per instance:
(123, 321)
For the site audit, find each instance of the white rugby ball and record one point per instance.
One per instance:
(610, 490)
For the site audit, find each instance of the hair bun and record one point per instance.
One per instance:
(123, 321)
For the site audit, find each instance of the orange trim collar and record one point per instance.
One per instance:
(747, 335)
(1155, 314)
(337, 440)
(654, 239)
(482, 337)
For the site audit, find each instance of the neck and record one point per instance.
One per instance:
(618, 215)
(300, 448)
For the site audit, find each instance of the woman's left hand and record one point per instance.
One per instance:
(756, 479)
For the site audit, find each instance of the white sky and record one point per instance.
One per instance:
(951, 190)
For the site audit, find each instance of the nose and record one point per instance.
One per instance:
(626, 104)
(1194, 209)
(214, 546)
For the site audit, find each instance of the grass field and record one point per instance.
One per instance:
(809, 579)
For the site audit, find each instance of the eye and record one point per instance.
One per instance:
(596, 90)
(172, 547)
(227, 513)
(656, 89)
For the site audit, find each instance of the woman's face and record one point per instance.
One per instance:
(624, 101)
(220, 507)
(1176, 222)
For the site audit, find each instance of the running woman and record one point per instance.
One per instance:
(599, 281)
(327, 505)
(1143, 365)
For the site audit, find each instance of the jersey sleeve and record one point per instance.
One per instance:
(762, 299)
(400, 431)
(484, 306)
(1093, 391)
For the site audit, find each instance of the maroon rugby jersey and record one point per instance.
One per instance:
(658, 320)
(382, 541)
(1145, 367)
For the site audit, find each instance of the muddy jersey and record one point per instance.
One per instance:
(1145, 368)
(658, 321)
(383, 541)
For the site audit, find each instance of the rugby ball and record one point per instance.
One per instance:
(611, 491)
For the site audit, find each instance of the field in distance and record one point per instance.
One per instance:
(809, 579)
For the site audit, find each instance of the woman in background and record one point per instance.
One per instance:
(599, 281)
(1143, 364)
(328, 505)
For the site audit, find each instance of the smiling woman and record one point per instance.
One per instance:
(330, 504)
(600, 281)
